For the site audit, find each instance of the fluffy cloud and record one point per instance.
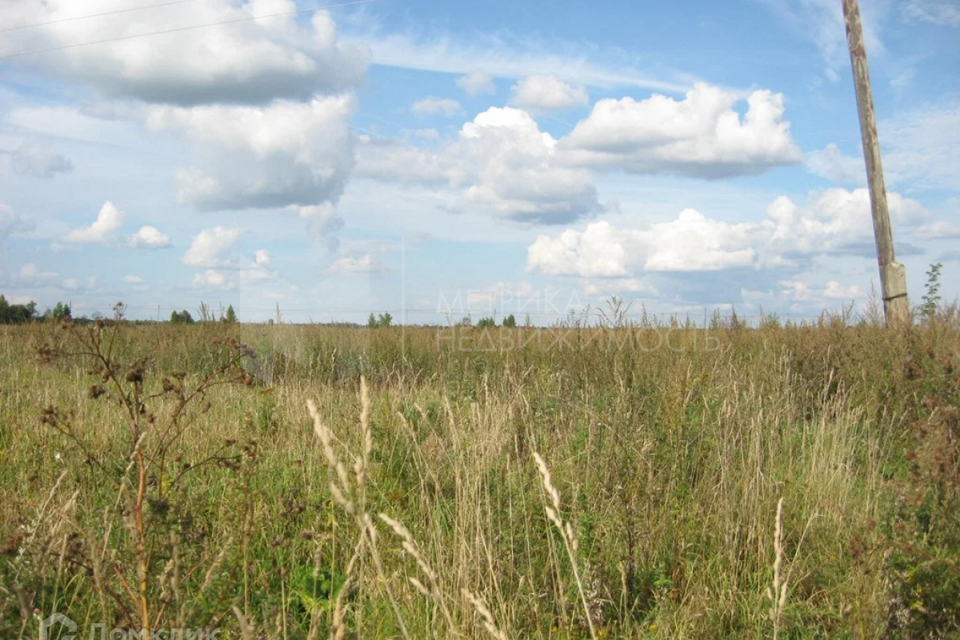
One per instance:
(38, 161)
(261, 157)
(262, 257)
(836, 222)
(689, 243)
(432, 105)
(210, 278)
(539, 93)
(208, 246)
(476, 83)
(148, 238)
(248, 61)
(517, 173)
(700, 136)
(108, 221)
(501, 162)
(599, 250)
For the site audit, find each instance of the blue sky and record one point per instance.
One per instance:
(440, 159)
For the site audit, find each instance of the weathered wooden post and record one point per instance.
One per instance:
(893, 276)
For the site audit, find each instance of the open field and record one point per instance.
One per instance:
(799, 482)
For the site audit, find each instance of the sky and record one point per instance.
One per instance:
(440, 159)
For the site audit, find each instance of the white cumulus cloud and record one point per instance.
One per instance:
(108, 221)
(515, 170)
(501, 162)
(540, 93)
(836, 222)
(148, 238)
(248, 61)
(701, 135)
(209, 245)
(261, 157)
(210, 278)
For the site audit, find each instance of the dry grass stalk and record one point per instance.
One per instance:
(566, 532)
(246, 628)
(433, 591)
(484, 612)
(353, 501)
(778, 595)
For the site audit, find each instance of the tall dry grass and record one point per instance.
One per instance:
(785, 484)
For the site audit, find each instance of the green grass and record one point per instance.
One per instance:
(668, 465)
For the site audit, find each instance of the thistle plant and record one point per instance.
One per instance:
(156, 415)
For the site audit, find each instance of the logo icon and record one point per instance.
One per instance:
(57, 618)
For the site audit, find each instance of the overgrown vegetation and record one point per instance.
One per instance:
(626, 480)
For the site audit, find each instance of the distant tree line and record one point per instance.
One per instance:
(17, 313)
(206, 315)
(24, 313)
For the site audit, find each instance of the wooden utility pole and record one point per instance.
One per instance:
(893, 276)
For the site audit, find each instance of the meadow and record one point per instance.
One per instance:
(639, 481)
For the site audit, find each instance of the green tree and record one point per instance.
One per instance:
(372, 322)
(931, 299)
(510, 322)
(181, 317)
(60, 312)
(385, 319)
(231, 316)
(484, 323)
